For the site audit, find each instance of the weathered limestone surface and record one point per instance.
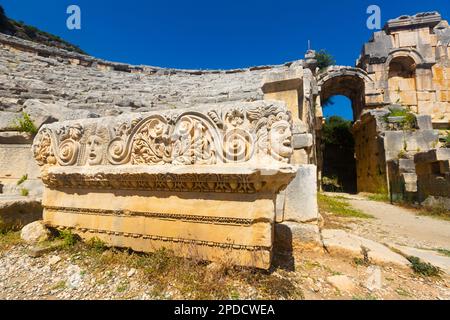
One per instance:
(287, 233)
(339, 240)
(202, 182)
(370, 153)
(16, 160)
(17, 211)
(433, 175)
(301, 196)
(35, 232)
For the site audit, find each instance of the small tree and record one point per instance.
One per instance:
(324, 59)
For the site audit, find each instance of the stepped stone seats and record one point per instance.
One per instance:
(201, 182)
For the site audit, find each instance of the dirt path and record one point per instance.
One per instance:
(396, 225)
(400, 226)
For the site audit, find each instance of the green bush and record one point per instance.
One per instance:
(24, 192)
(338, 131)
(25, 124)
(331, 184)
(31, 31)
(423, 268)
(97, 244)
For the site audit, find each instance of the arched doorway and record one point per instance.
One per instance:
(344, 87)
(402, 82)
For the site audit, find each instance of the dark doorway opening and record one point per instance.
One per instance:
(338, 146)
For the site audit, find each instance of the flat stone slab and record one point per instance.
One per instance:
(336, 240)
(434, 155)
(17, 211)
(429, 256)
(15, 137)
(288, 232)
(342, 283)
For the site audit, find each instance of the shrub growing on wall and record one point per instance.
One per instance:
(25, 124)
(324, 59)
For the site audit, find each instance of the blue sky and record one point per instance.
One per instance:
(216, 34)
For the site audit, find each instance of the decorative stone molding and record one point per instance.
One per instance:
(246, 133)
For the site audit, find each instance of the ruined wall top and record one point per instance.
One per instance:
(424, 36)
(52, 84)
(429, 19)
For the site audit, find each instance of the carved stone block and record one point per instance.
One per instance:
(201, 182)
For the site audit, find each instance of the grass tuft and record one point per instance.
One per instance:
(175, 277)
(24, 192)
(436, 212)
(96, 244)
(69, 239)
(22, 179)
(340, 207)
(9, 239)
(61, 285)
(381, 197)
(444, 252)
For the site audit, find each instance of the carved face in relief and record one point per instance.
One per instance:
(95, 150)
(280, 139)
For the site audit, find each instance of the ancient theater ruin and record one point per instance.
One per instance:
(219, 164)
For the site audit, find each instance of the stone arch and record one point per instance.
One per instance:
(404, 52)
(401, 82)
(347, 81)
(338, 162)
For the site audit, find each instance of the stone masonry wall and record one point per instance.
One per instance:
(370, 154)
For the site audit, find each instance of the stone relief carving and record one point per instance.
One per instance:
(203, 182)
(230, 134)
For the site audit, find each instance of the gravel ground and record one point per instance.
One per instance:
(71, 274)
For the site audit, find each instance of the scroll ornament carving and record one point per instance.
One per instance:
(225, 135)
